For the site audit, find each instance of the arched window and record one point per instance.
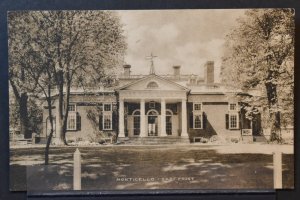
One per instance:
(152, 112)
(136, 112)
(152, 85)
(169, 112)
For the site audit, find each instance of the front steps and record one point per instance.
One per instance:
(154, 140)
(259, 139)
(253, 138)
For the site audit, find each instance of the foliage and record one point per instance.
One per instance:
(64, 49)
(259, 56)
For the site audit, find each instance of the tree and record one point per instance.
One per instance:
(80, 47)
(64, 49)
(259, 55)
(80, 44)
(18, 79)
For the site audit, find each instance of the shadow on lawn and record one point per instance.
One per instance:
(157, 168)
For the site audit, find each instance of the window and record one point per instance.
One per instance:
(136, 122)
(169, 125)
(197, 106)
(152, 105)
(107, 122)
(197, 116)
(71, 125)
(233, 107)
(233, 121)
(169, 122)
(136, 125)
(233, 116)
(107, 116)
(198, 121)
(152, 85)
(107, 107)
(72, 108)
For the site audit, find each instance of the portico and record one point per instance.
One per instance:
(152, 107)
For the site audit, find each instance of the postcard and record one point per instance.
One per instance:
(130, 100)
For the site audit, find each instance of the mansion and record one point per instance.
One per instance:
(176, 106)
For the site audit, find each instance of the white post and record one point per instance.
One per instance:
(77, 170)
(183, 119)
(277, 164)
(121, 118)
(142, 119)
(163, 118)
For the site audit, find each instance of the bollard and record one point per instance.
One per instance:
(77, 170)
(277, 164)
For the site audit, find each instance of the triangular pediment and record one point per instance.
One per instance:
(153, 82)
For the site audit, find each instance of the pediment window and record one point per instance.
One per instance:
(152, 85)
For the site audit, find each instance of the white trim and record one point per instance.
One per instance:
(201, 107)
(150, 86)
(107, 104)
(196, 113)
(72, 114)
(236, 107)
(103, 122)
(157, 113)
(237, 120)
(201, 118)
(75, 107)
(136, 110)
(170, 112)
(106, 113)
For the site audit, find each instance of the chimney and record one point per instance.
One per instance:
(209, 72)
(127, 70)
(176, 71)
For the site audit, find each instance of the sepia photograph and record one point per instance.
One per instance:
(124, 100)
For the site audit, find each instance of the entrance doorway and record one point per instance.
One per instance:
(152, 123)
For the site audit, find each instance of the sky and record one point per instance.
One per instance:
(187, 38)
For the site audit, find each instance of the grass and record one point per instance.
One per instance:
(168, 166)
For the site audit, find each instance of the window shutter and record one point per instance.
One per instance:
(190, 109)
(204, 120)
(114, 120)
(191, 120)
(100, 122)
(78, 122)
(227, 121)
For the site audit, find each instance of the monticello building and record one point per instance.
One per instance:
(178, 107)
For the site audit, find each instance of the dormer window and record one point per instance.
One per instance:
(152, 85)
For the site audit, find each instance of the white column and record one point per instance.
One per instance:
(183, 119)
(143, 132)
(163, 118)
(121, 118)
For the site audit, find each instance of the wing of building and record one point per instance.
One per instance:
(175, 107)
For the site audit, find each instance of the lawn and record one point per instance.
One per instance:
(148, 167)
